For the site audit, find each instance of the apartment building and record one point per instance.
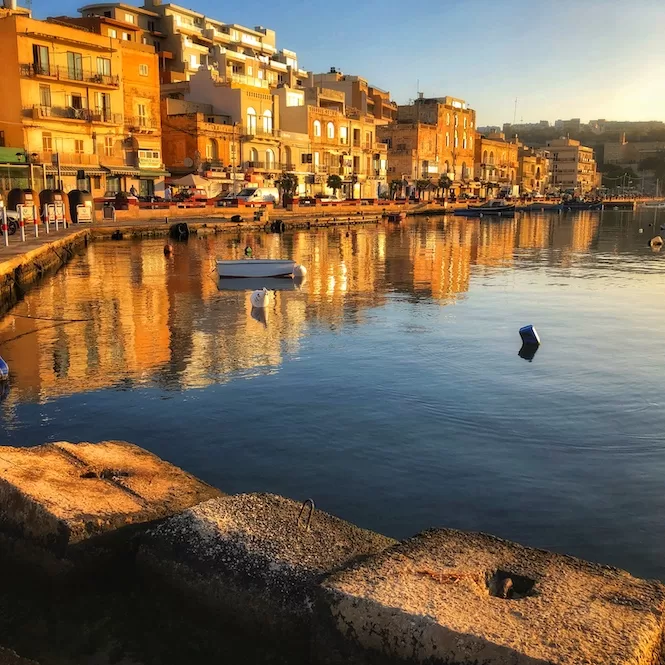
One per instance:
(448, 151)
(572, 166)
(496, 163)
(534, 170)
(358, 94)
(341, 141)
(189, 39)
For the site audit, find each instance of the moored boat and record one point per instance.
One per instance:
(394, 217)
(654, 205)
(256, 268)
(493, 208)
(571, 206)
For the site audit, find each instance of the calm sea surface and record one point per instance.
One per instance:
(388, 387)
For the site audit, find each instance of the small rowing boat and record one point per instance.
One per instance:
(494, 208)
(256, 268)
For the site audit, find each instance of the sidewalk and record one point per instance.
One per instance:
(17, 248)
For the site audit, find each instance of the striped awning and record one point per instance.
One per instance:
(73, 170)
(122, 170)
(155, 173)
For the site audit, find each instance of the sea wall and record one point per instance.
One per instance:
(24, 268)
(118, 551)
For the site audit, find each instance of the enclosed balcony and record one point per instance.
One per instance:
(72, 74)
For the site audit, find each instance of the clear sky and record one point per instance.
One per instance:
(560, 58)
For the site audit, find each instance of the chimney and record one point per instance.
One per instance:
(9, 4)
(421, 95)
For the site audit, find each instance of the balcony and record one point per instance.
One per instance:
(69, 74)
(38, 112)
(142, 124)
(68, 158)
(250, 133)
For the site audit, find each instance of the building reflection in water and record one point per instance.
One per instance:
(148, 319)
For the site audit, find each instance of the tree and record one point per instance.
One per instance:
(445, 183)
(334, 182)
(616, 176)
(422, 186)
(655, 163)
(288, 184)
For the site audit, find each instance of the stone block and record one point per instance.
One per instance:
(466, 598)
(249, 555)
(62, 494)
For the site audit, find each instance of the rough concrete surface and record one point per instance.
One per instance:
(8, 657)
(62, 493)
(464, 598)
(248, 554)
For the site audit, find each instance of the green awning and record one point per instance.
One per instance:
(153, 174)
(8, 155)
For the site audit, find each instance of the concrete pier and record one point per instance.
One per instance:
(63, 494)
(255, 555)
(452, 597)
(261, 578)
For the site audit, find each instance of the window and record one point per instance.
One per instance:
(151, 26)
(250, 70)
(211, 149)
(260, 73)
(129, 18)
(193, 62)
(447, 139)
(484, 156)
(40, 59)
(108, 146)
(317, 128)
(251, 121)
(45, 95)
(316, 159)
(146, 187)
(108, 14)
(157, 45)
(103, 105)
(113, 184)
(113, 33)
(270, 159)
(464, 141)
(78, 146)
(448, 119)
(75, 66)
(293, 98)
(343, 135)
(76, 101)
(267, 122)
(465, 121)
(143, 70)
(254, 156)
(47, 142)
(126, 37)
(104, 66)
(235, 35)
(456, 140)
(142, 113)
(330, 130)
(456, 120)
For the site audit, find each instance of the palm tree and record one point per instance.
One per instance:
(288, 184)
(422, 186)
(334, 182)
(445, 183)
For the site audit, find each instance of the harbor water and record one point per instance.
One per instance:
(389, 386)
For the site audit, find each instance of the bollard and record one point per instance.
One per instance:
(5, 228)
(35, 218)
(21, 221)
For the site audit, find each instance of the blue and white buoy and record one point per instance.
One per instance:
(529, 336)
(4, 370)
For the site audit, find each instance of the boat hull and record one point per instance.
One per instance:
(475, 212)
(255, 268)
(258, 283)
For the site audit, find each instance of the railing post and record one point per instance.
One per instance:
(48, 230)
(35, 219)
(21, 221)
(5, 229)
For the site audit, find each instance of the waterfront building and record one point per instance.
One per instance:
(358, 94)
(534, 172)
(452, 152)
(189, 39)
(342, 141)
(496, 164)
(572, 166)
(82, 107)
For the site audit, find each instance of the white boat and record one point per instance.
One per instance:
(654, 205)
(256, 268)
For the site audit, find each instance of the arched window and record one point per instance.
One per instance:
(447, 166)
(288, 164)
(464, 141)
(447, 139)
(267, 122)
(253, 157)
(470, 142)
(456, 140)
(251, 121)
(330, 130)
(317, 128)
(211, 149)
(270, 159)
(448, 119)
(484, 156)
(492, 158)
(465, 121)
(538, 173)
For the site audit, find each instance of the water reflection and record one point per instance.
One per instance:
(167, 320)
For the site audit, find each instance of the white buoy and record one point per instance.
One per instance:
(299, 271)
(529, 335)
(260, 298)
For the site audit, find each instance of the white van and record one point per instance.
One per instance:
(259, 195)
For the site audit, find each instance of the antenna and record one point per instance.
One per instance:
(515, 112)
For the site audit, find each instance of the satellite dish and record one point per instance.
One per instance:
(188, 162)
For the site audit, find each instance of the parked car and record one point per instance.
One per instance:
(330, 198)
(259, 195)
